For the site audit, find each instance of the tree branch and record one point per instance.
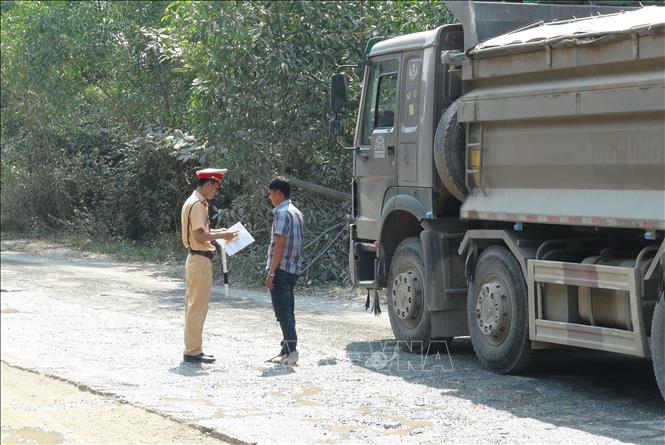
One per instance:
(310, 186)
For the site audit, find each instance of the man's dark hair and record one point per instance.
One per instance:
(280, 183)
(203, 182)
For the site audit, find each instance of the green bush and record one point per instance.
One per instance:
(93, 95)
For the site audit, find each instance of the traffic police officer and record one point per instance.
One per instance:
(197, 236)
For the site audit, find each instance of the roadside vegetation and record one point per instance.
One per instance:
(109, 107)
(164, 249)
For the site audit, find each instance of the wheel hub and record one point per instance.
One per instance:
(493, 310)
(407, 293)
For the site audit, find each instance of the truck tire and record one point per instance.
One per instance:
(658, 343)
(408, 315)
(449, 152)
(497, 312)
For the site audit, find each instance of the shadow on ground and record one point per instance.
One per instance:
(190, 369)
(583, 390)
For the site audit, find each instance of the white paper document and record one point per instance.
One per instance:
(235, 246)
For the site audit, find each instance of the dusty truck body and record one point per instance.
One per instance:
(510, 186)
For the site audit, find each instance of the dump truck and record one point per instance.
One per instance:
(509, 181)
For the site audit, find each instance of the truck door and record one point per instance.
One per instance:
(407, 153)
(374, 163)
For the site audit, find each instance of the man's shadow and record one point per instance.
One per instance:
(277, 370)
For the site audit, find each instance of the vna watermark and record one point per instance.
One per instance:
(407, 356)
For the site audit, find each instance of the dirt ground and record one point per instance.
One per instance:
(38, 409)
(116, 328)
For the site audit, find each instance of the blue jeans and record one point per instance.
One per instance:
(283, 304)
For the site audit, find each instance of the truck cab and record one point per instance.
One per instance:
(395, 183)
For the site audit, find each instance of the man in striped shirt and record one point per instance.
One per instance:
(283, 265)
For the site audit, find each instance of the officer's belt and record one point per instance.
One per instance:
(206, 253)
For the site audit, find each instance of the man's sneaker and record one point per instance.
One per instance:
(276, 359)
(291, 359)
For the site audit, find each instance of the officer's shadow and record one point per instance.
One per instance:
(189, 369)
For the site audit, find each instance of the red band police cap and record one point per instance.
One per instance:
(211, 173)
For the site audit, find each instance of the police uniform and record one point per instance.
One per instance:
(198, 267)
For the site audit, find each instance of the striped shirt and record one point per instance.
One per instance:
(288, 222)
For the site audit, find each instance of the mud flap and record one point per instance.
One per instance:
(445, 281)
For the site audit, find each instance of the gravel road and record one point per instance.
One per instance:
(117, 328)
(37, 409)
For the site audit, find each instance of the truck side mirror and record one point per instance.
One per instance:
(338, 93)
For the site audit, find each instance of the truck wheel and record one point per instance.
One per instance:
(497, 312)
(658, 343)
(449, 152)
(409, 317)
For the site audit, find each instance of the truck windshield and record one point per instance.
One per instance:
(380, 98)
